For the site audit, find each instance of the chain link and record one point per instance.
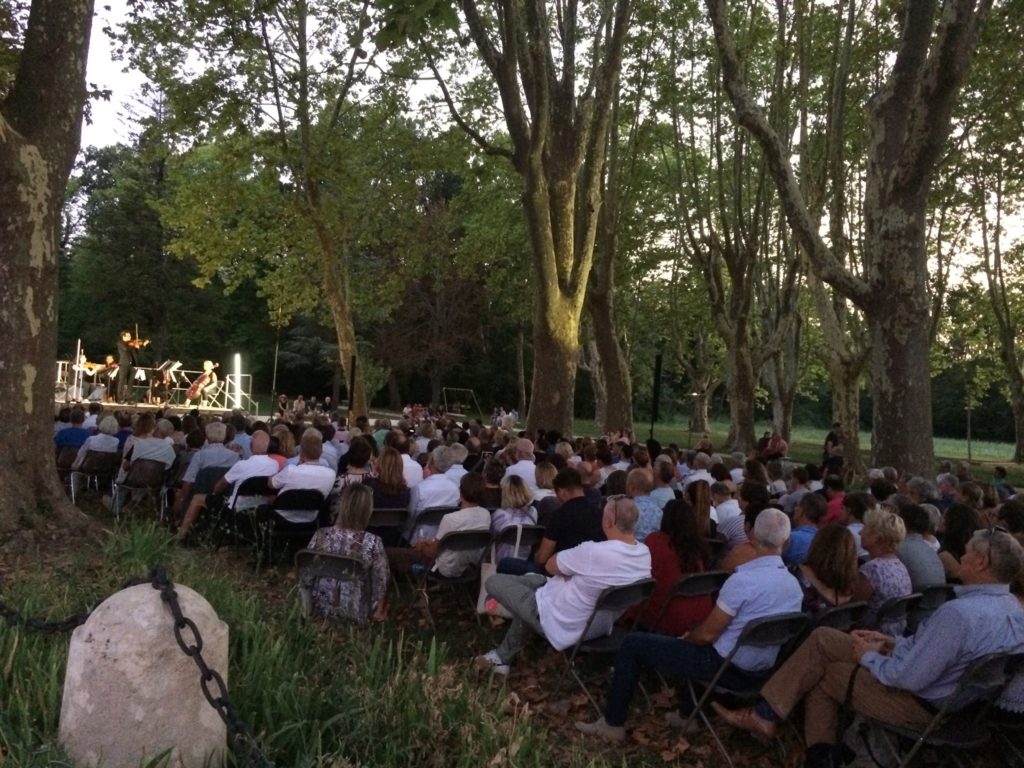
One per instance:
(244, 742)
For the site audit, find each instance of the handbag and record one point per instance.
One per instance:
(484, 604)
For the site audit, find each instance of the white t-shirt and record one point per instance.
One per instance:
(470, 519)
(434, 491)
(258, 465)
(565, 603)
(527, 470)
(727, 510)
(304, 477)
(411, 471)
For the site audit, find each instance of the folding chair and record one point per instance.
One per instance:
(144, 479)
(612, 603)
(769, 632)
(389, 517)
(522, 537)
(932, 597)
(896, 609)
(458, 542)
(306, 503)
(949, 728)
(693, 585)
(313, 565)
(65, 458)
(253, 493)
(432, 515)
(96, 467)
(389, 523)
(841, 617)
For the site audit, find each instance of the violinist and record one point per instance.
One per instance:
(126, 349)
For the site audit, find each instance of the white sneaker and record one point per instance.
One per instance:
(602, 730)
(491, 662)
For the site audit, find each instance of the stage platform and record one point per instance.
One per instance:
(154, 389)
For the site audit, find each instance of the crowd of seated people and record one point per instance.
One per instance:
(790, 538)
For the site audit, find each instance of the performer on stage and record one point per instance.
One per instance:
(126, 349)
(205, 386)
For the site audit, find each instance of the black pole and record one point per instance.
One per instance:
(656, 395)
(351, 386)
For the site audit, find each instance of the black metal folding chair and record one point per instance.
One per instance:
(474, 543)
(523, 537)
(895, 609)
(389, 517)
(693, 585)
(960, 724)
(276, 522)
(611, 603)
(842, 617)
(98, 467)
(932, 597)
(145, 479)
(769, 632)
(313, 565)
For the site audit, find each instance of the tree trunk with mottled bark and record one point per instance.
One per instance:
(40, 128)
(741, 381)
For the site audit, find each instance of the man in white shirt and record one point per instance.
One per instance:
(257, 465)
(725, 505)
(456, 470)
(436, 490)
(558, 608)
(701, 465)
(524, 466)
(308, 473)
(471, 516)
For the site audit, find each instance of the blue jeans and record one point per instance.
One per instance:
(518, 566)
(677, 660)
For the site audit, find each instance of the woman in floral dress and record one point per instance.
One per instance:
(353, 600)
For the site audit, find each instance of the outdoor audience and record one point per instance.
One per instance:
(613, 512)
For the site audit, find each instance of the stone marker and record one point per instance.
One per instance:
(130, 694)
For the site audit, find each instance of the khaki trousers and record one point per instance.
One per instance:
(820, 670)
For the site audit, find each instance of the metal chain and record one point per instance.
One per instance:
(216, 694)
(13, 617)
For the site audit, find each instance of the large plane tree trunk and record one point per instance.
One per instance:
(40, 129)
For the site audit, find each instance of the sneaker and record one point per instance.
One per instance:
(491, 662)
(602, 730)
(675, 720)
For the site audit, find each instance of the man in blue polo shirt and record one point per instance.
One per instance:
(758, 589)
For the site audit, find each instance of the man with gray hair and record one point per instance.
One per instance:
(435, 490)
(559, 608)
(758, 589)
(524, 466)
(900, 681)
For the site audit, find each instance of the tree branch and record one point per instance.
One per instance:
(752, 117)
(478, 138)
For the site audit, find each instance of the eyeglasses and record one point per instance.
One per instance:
(991, 530)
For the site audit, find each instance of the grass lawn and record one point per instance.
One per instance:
(806, 445)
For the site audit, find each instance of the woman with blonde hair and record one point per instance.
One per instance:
(516, 509)
(285, 443)
(884, 576)
(362, 600)
(388, 484)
